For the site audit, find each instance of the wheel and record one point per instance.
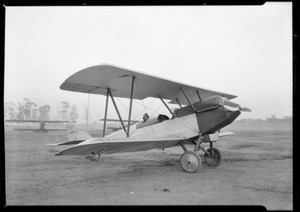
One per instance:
(215, 159)
(190, 161)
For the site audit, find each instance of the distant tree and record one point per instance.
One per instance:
(5, 110)
(64, 110)
(44, 112)
(73, 113)
(86, 113)
(33, 110)
(271, 119)
(34, 113)
(58, 116)
(20, 114)
(25, 109)
(11, 112)
(288, 118)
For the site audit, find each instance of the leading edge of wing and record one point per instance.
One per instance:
(96, 80)
(109, 146)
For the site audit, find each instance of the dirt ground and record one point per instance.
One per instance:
(256, 170)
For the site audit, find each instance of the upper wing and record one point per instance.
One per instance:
(117, 145)
(97, 79)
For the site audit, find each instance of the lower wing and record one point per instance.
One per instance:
(118, 145)
(109, 146)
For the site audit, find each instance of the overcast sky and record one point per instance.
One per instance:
(241, 50)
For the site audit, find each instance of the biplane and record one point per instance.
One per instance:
(118, 126)
(200, 116)
(42, 125)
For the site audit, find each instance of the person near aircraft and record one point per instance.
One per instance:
(145, 117)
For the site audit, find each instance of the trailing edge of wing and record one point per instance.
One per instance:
(97, 79)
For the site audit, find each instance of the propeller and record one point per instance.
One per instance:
(245, 109)
(233, 104)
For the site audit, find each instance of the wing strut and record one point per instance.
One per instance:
(167, 106)
(188, 99)
(105, 115)
(198, 95)
(112, 98)
(178, 103)
(130, 107)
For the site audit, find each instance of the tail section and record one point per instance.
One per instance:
(75, 136)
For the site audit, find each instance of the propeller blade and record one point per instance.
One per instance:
(245, 109)
(232, 104)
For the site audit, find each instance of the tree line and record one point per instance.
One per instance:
(28, 110)
(271, 119)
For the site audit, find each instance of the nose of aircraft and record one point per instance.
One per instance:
(233, 115)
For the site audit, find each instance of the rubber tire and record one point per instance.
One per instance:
(216, 160)
(194, 158)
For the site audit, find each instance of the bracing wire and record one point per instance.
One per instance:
(144, 106)
(134, 118)
(141, 97)
(190, 127)
(87, 114)
(155, 111)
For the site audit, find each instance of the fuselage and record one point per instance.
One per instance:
(209, 117)
(204, 118)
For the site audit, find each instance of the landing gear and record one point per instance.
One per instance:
(214, 158)
(192, 162)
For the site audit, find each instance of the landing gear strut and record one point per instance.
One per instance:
(96, 156)
(192, 162)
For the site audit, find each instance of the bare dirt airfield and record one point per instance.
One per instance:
(256, 170)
